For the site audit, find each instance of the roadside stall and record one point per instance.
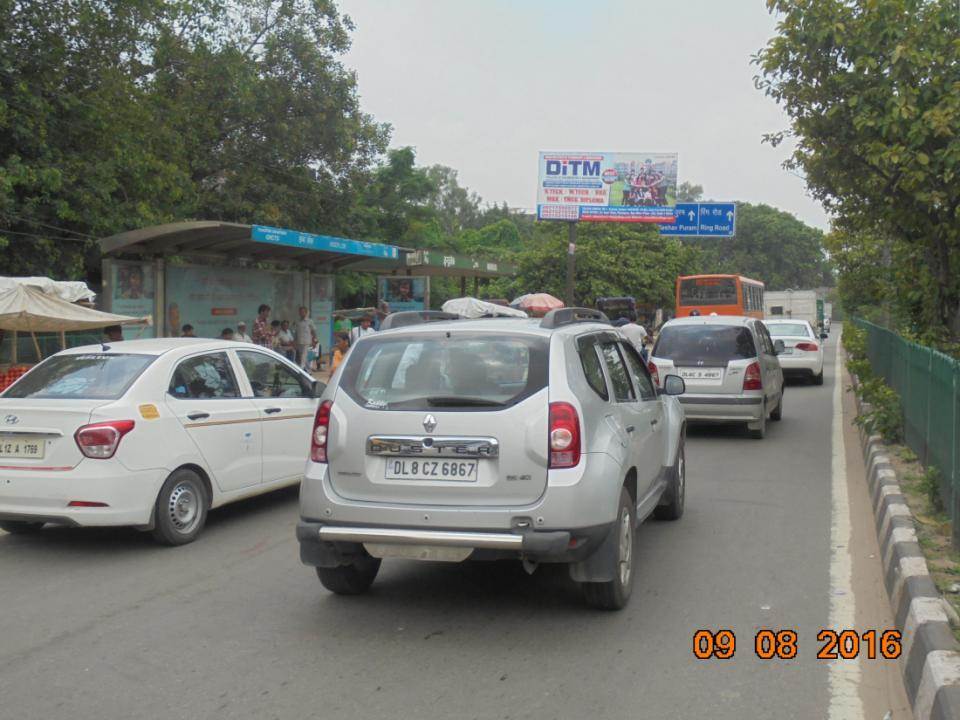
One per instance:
(25, 309)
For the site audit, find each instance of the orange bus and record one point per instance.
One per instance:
(719, 294)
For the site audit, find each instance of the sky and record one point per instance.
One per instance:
(484, 85)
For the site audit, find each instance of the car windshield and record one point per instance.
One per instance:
(81, 377)
(788, 329)
(708, 291)
(704, 344)
(446, 371)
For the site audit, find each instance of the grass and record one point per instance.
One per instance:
(933, 524)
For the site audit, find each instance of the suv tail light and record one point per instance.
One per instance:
(807, 346)
(321, 430)
(564, 435)
(752, 379)
(101, 440)
(654, 373)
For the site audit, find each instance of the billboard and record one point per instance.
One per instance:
(132, 293)
(403, 292)
(212, 299)
(607, 186)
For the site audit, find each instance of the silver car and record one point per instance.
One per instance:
(542, 440)
(730, 367)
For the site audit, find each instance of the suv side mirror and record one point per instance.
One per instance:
(824, 336)
(778, 347)
(674, 385)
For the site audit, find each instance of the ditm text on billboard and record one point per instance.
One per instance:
(607, 187)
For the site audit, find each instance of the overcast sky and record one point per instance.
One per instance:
(483, 85)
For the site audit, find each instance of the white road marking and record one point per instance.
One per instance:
(843, 676)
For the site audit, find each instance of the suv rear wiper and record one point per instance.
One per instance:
(454, 401)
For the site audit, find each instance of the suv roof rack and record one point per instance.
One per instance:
(569, 316)
(415, 317)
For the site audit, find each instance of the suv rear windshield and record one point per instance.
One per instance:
(81, 377)
(708, 291)
(446, 371)
(704, 344)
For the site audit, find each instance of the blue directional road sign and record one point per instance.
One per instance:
(703, 220)
(309, 241)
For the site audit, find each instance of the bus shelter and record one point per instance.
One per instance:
(213, 275)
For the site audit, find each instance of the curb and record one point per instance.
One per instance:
(930, 661)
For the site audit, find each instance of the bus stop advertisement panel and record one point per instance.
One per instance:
(212, 299)
(130, 290)
(404, 292)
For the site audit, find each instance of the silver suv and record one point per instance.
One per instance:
(542, 440)
(730, 367)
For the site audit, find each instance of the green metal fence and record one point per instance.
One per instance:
(929, 386)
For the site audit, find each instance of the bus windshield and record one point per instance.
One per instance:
(708, 291)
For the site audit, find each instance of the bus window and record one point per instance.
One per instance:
(708, 291)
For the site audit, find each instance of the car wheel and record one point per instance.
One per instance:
(758, 430)
(181, 509)
(20, 527)
(818, 379)
(777, 414)
(676, 491)
(615, 594)
(352, 579)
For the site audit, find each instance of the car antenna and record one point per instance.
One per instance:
(104, 347)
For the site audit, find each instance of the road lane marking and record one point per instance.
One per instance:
(843, 676)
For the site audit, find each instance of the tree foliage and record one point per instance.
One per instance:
(872, 88)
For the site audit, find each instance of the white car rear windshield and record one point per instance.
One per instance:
(446, 371)
(80, 377)
(704, 344)
(788, 329)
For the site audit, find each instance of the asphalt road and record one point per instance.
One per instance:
(103, 624)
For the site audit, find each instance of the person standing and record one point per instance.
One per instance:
(285, 338)
(227, 334)
(305, 337)
(113, 333)
(187, 331)
(339, 350)
(261, 327)
(241, 334)
(363, 329)
(636, 334)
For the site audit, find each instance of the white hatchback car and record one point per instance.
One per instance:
(150, 433)
(802, 355)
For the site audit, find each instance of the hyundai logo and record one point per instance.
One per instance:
(429, 423)
(11, 419)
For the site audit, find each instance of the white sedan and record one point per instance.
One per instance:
(802, 355)
(151, 433)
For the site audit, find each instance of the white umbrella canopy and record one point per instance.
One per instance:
(26, 309)
(470, 307)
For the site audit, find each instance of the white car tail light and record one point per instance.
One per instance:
(807, 346)
(564, 435)
(101, 440)
(752, 379)
(321, 430)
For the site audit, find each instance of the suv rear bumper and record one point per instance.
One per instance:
(324, 545)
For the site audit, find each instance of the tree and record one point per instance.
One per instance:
(688, 192)
(769, 245)
(870, 87)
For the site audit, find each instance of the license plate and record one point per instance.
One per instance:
(703, 375)
(22, 447)
(443, 470)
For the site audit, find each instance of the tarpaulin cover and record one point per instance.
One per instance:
(26, 309)
(470, 307)
(69, 290)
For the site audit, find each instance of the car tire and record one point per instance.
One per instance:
(352, 579)
(818, 379)
(777, 414)
(761, 432)
(21, 527)
(181, 508)
(615, 594)
(676, 491)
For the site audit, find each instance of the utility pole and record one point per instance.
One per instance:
(571, 261)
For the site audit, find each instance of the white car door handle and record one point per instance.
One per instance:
(271, 411)
(630, 428)
(198, 415)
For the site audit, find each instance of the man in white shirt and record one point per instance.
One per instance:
(361, 330)
(241, 334)
(305, 336)
(636, 334)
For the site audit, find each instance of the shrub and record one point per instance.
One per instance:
(930, 485)
(855, 342)
(885, 416)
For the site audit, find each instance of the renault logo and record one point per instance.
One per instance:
(11, 419)
(429, 423)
